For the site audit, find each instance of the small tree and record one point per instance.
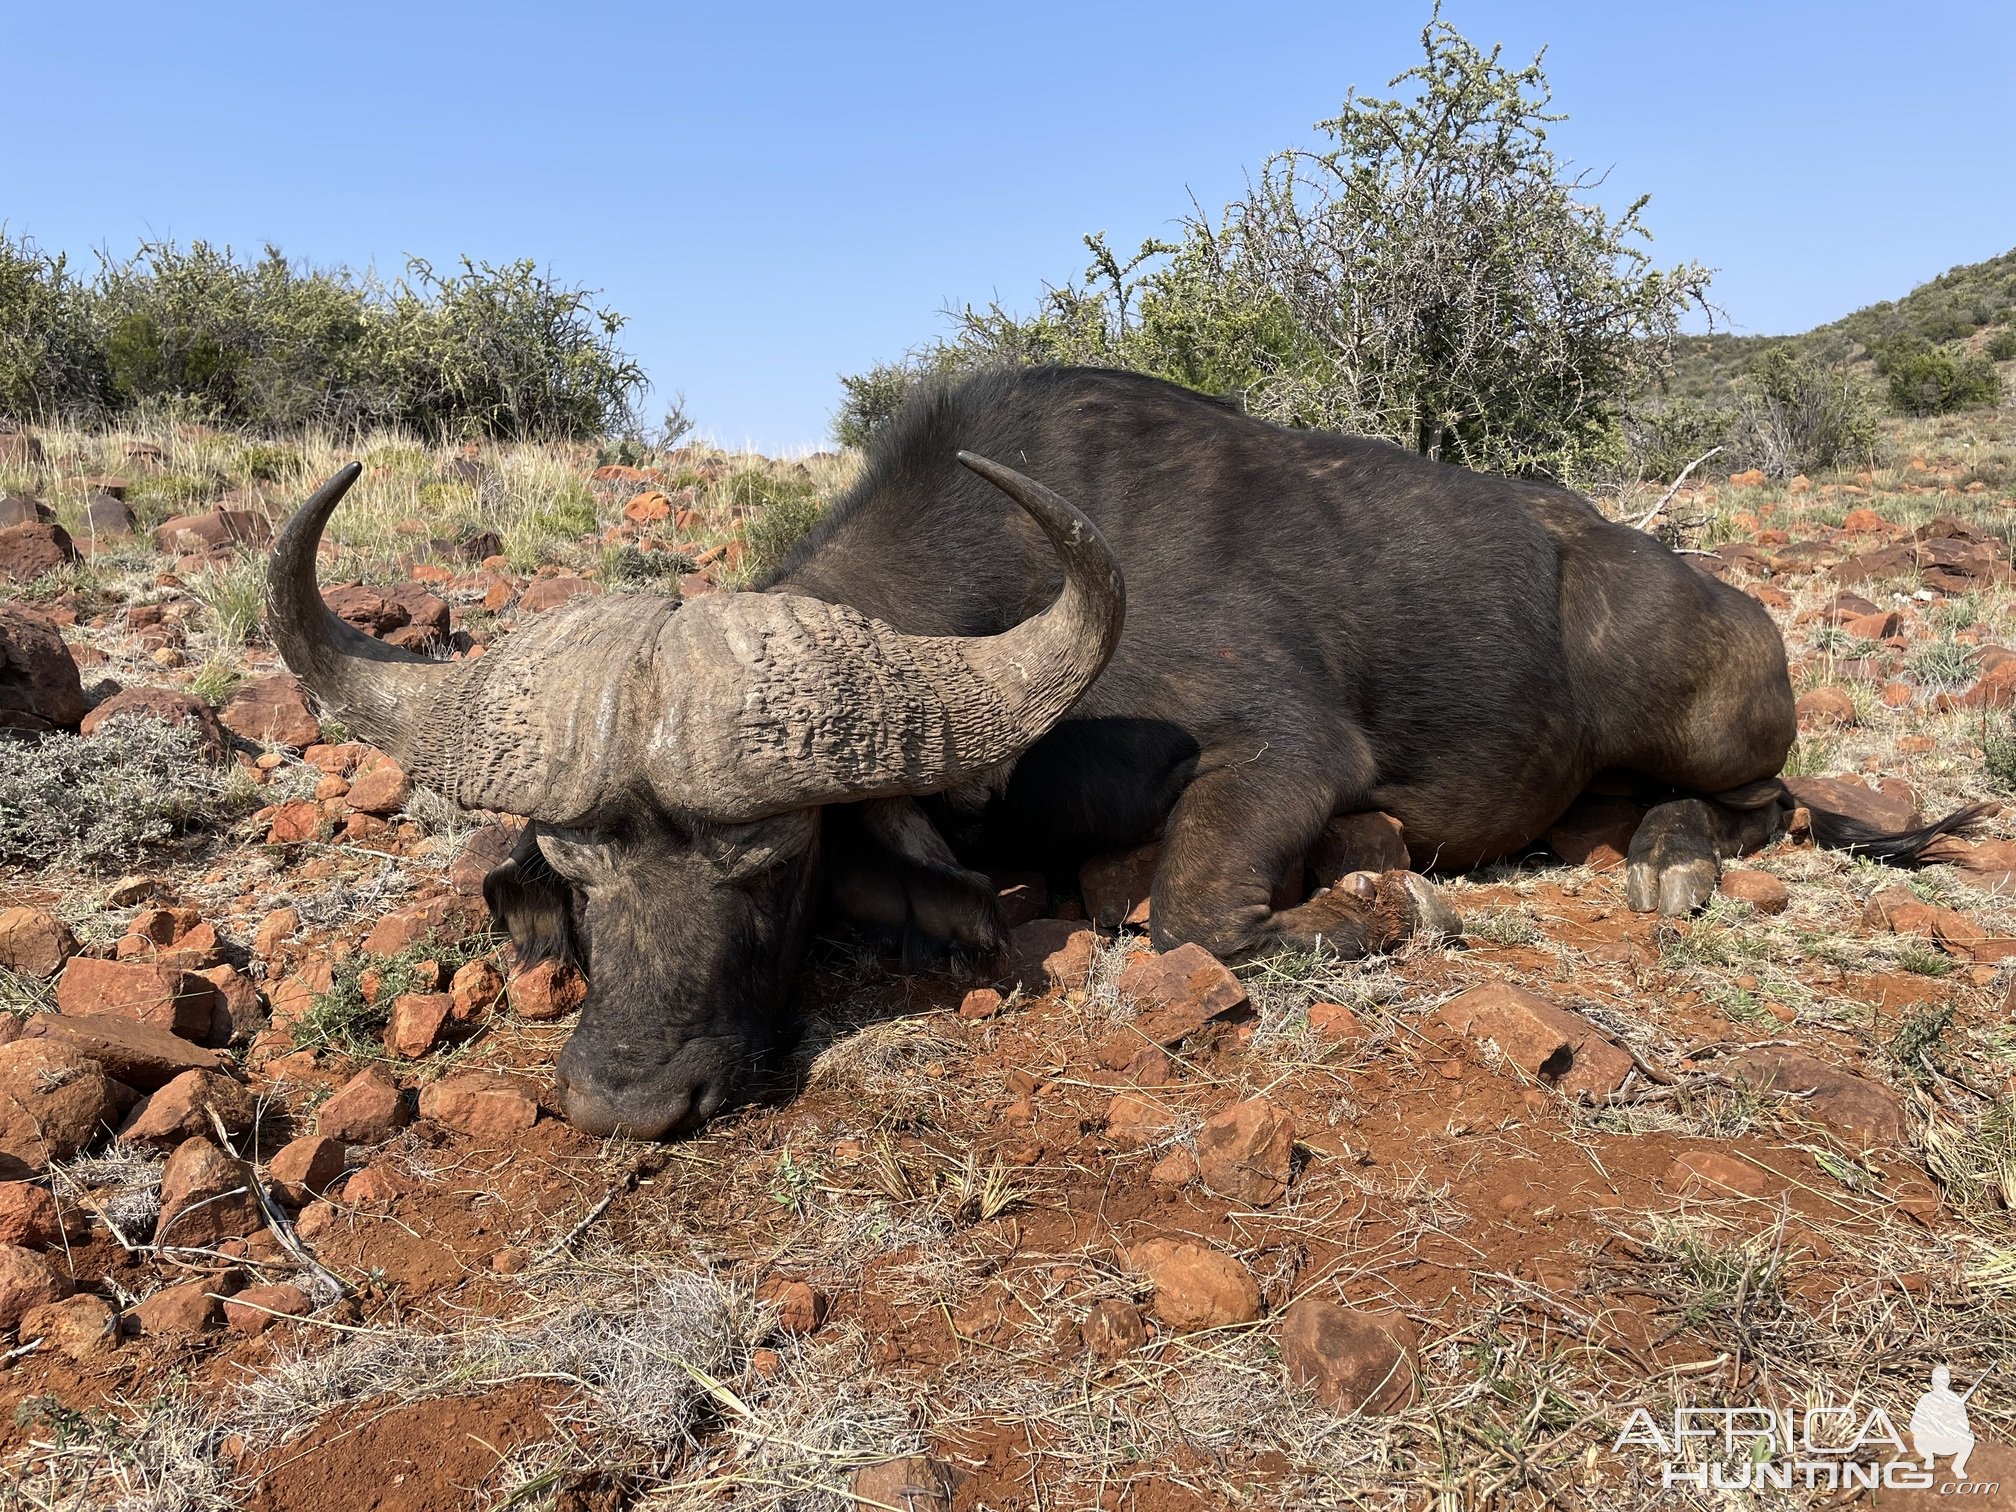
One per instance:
(1436, 276)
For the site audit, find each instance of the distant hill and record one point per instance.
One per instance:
(1958, 305)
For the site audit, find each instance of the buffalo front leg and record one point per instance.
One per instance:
(1232, 838)
(1676, 856)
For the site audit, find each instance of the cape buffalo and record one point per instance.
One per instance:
(937, 681)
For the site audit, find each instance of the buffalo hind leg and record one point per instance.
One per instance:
(1231, 839)
(1676, 856)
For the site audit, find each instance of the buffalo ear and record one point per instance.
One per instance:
(531, 902)
(889, 870)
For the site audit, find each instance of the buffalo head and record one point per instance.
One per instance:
(674, 759)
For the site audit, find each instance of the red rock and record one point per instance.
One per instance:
(1714, 1174)
(1116, 888)
(295, 822)
(425, 614)
(53, 1103)
(379, 1184)
(1878, 626)
(1549, 1043)
(1050, 953)
(381, 789)
(1113, 1328)
(238, 998)
(34, 549)
(28, 1216)
(367, 1109)
(800, 1310)
(1825, 706)
(549, 990)
(1177, 993)
(205, 1197)
(1246, 1152)
(273, 711)
(416, 1022)
(480, 1104)
(1760, 890)
(1596, 831)
(366, 608)
(161, 997)
(436, 921)
(483, 852)
(275, 930)
(39, 686)
(166, 706)
(139, 1055)
(1135, 1121)
(478, 987)
(1020, 896)
(551, 593)
(27, 1280)
(647, 508)
(1368, 841)
(1850, 1105)
(1852, 797)
(1995, 690)
(1353, 1361)
(213, 531)
(258, 1308)
(182, 1109)
(78, 1328)
(306, 1167)
(177, 1310)
(34, 942)
(1749, 478)
(1334, 1021)
(1865, 522)
(980, 1003)
(1195, 1286)
(913, 1483)
(1902, 911)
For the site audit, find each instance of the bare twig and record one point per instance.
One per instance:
(1667, 497)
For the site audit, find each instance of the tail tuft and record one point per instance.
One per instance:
(1892, 847)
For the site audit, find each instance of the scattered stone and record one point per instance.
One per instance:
(381, 789)
(913, 1483)
(442, 920)
(1825, 706)
(1760, 890)
(1855, 799)
(137, 1054)
(1116, 888)
(212, 531)
(479, 1103)
(275, 930)
(1112, 1329)
(34, 942)
(161, 997)
(1549, 1043)
(78, 1328)
(1712, 1173)
(177, 1310)
(483, 852)
(981, 1003)
(1880, 625)
(1353, 1361)
(54, 1103)
(239, 1002)
(253, 1310)
(1246, 1152)
(1195, 1286)
(27, 1280)
(295, 822)
(206, 1196)
(167, 706)
(107, 516)
(30, 550)
(1021, 896)
(1901, 911)
(1850, 1105)
(271, 711)
(416, 1022)
(365, 608)
(552, 592)
(1335, 1021)
(367, 1109)
(477, 988)
(39, 686)
(800, 1310)
(1135, 1122)
(1050, 953)
(1595, 832)
(305, 1168)
(1177, 992)
(28, 1216)
(1369, 841)
(182, 1109)
(549, 990)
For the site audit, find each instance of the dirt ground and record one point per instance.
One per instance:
(1039, 1253)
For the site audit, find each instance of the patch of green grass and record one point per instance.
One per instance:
(624, 565)
(1510, 926)
(235, 595)
(1810, 756)
(1719, 1282)
(1944, 664)
(1923, 960)
(446, 499)
(1918, 1039)
(784, 512)
(267, 462)
(343, 1020)
(158, 496)
(215, 679)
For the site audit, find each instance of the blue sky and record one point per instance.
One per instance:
(777, 194)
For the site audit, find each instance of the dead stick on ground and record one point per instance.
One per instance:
(587, 1218)
(1667, 497)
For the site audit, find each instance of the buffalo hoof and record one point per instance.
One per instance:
(1675, 885)
(1434, 916)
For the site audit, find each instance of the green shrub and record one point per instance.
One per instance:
(624, 565)
(268, 462)
(2002, 345)
(50, 360)
(1934, 382)
(1794, 415)
(780, 524)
